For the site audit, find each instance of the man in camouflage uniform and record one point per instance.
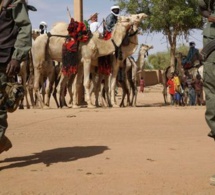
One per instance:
(207, 10)
(15, 42)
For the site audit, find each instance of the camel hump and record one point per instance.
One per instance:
(59, 28)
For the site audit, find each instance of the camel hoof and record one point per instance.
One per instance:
(115, 106)
(70, 105)
(91, 106)
(28, 107)
(76, 106)
(64, 107)
(21, 107)
(46, 107)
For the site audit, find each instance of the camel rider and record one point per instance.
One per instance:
(188, 61)
(15, 43)
(111, 19)
(94, 24)
(110, 22)
(43, 27)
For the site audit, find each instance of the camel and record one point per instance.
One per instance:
(26, 72)
(128, 47)
(89, 52)
(127, 50)
(131, 69)
(44, 70)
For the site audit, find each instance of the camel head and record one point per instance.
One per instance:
(137, 19)
(121, 28)
(145, 48)
(35, 33)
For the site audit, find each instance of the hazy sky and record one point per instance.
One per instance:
(52, 11)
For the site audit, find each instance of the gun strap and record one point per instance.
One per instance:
(208, 49)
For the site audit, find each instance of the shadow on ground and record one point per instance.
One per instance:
(153, 105)
(52, 156)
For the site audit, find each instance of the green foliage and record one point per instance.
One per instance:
(166, 15)
(173, 18)
(161, 60)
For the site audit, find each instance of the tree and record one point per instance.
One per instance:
(161, 60)
(173, 18)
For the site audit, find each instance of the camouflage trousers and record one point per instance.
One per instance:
(3, 111)
(209, 88)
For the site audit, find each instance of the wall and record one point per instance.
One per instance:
(151, 77)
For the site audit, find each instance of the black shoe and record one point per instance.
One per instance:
(5, 144)
(211, 135)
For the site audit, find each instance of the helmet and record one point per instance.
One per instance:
(115, 10)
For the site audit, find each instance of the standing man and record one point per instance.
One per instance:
(207, 10)
(15, 42)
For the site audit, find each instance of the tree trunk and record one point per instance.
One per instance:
(172, 41)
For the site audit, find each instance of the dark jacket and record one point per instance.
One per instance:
(110, 21)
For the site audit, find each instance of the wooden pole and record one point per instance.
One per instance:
(78, 16)
(78, 10)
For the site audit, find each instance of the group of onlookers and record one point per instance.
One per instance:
(186, 90)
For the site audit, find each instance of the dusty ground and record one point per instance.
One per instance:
(152, 149)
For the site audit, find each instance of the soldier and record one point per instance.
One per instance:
(15, 43)
(207, 10)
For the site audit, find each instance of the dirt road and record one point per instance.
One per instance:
(151, 149)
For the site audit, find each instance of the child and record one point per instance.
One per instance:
(171, 85)
(142, 84)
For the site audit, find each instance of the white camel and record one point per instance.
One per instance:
(25, 73)
(44, 69)
(47, 49)
(127, 50)
(130, 71)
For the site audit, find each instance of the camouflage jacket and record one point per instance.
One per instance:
(15, 28)
(207, 8)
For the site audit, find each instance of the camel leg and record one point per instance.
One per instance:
(77, 85)
(37, 87)
(61, 90)
(69, 86)
(165, 94)
(122, 83)
(128, 91)
(30, 88)
(54, 94)
(49, 84)
(97, 79)
(24, 78)
(113, 84)
(87, 64)
(107, 89)
(56, 82)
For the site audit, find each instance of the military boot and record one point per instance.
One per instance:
(5, 144)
